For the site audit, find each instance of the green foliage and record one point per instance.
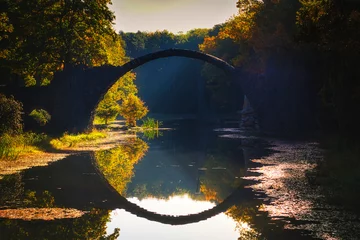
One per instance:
(107, 110)
(41, 116)
(42, 37)
(141, 43)
(151, 123)
(12, 146)
(117, 165)
(72, 140)
(10, 115)
(133, 109)
(150, 128)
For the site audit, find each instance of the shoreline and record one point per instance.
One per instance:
(114, 138)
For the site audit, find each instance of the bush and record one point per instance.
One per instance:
(41, 116)
(133, 109)
(11, 146)
(10, 115)
(151, 123)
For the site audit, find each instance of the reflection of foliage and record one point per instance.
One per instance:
(42, 200)
(151, 134)
(160, 190)
(117, 165)
(243, 216)
(90, 226)
(11, 188)
(223, 173)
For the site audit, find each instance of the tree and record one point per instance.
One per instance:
(47, 36)
(108, 109)
(10, 115)
(133, 109)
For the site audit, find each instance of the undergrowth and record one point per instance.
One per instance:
(72, 140)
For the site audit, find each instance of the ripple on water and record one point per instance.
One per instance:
(282, 177)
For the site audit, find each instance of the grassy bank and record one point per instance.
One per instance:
(72, 140)
(13, 147)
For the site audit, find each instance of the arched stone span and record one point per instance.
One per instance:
(76, 92)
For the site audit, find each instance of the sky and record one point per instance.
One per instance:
(173, 15)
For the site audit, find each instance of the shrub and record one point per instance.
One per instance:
(10, 115)
(11, 146)
(133, 109)
(151, 123)
(41, 116)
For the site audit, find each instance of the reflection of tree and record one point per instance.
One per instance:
(243, 216)
(11, 188)
(12, 192)
(117, 165)
(91, 226)
(223, 171)
(161, 190)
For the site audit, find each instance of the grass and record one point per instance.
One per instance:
(150, 123)
(14, 146)
(72, 140)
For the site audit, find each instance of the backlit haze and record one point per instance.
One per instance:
(173, 15)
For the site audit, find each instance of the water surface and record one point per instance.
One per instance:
(194, 181)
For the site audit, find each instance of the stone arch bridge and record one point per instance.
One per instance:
(74, 93)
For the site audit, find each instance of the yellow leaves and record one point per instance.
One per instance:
(117, 165)
(132, 109)
(210, 194)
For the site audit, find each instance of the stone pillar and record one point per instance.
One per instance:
(249, 119)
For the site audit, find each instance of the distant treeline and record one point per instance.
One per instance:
(178, 85)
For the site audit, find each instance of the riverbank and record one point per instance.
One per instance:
(114, 135)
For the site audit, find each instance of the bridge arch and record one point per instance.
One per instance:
(77, 92)
(239, 196)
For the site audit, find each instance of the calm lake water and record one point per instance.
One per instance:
(188, 182)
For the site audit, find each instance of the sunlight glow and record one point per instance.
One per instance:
(220, 227)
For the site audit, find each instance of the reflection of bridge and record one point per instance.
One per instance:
(233, 199)
(75, 182)
(121, 202)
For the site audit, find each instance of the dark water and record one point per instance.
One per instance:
(191, 182)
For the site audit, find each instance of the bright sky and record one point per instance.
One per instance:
(173, 15)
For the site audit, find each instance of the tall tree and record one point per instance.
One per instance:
(51, 35)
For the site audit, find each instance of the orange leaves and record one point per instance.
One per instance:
(208, 45)
(210, 194)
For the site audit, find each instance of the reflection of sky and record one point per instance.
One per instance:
(220, 227)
